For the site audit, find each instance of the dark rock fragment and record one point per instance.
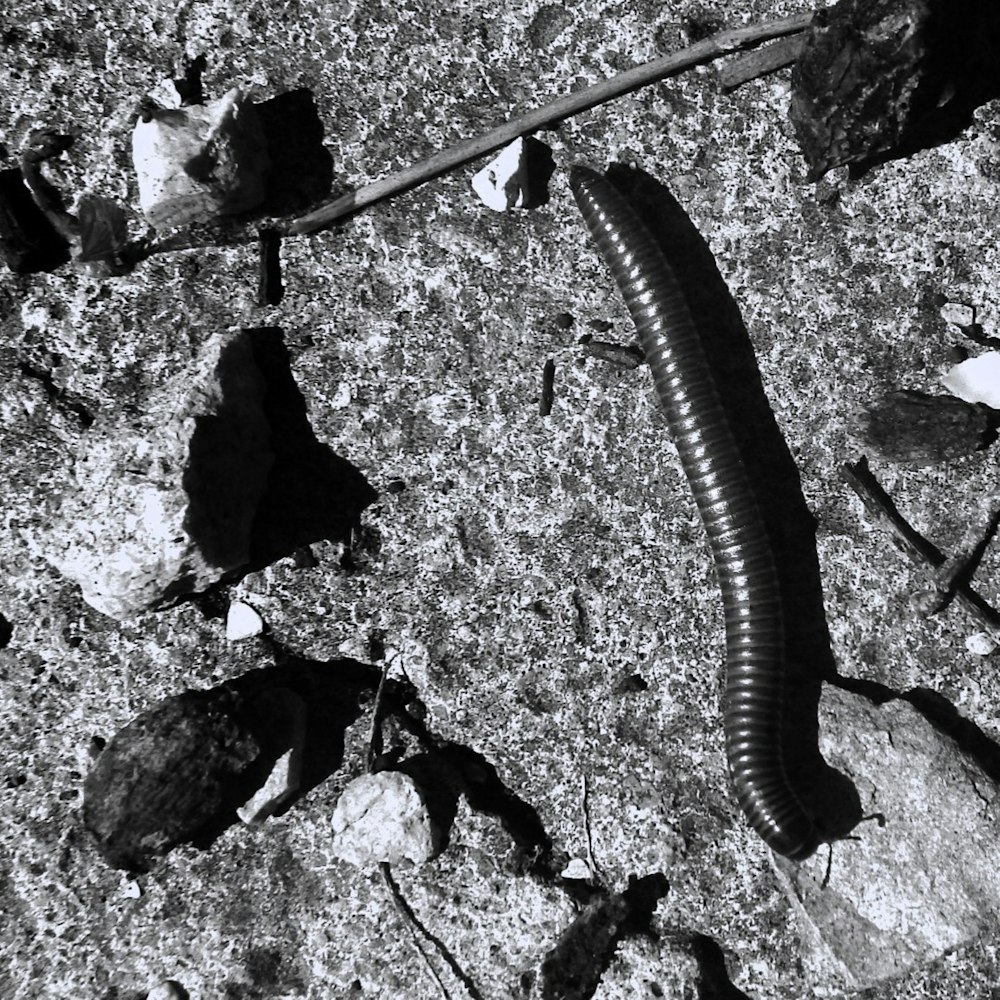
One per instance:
(879, 79)
(173, 771)
(908, 426)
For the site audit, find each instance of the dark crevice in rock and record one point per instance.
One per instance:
(58, 396)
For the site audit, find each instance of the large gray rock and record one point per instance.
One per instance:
(162, 504)
(924, 881)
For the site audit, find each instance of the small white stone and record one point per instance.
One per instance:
(169, 989)
(503, 183)
(958, 314)
(279, 785)
(383, 817)
(242, 622)
(131, 889)
(284, 715)
(976, 380)
(577, 868)
(166, 95)
(980, 644)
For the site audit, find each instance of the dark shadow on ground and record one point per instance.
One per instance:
(825, 793)
(301, 166)
(312, 493)
(574, 967)
(29, 243)
(713, 977)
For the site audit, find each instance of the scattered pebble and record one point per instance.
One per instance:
(980, 644)
(286, 716)
(196, 163)
(577, 868)
(242, 622)
(169, 989)
(503, 183)
(976, 380)
(383, 817)
(958, 314)
(131, 889)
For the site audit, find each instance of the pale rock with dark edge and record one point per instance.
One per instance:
(385, 817)
(169, 989)
(920, 883)
(161, 504)
(199, 162)
(286, 716)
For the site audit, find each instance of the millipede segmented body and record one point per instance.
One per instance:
(736, 532)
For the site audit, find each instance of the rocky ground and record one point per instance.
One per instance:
(543, 581)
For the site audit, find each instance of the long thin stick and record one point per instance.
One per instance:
(919, 550)
(558, 110)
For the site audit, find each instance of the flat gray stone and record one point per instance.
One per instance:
(926, 881)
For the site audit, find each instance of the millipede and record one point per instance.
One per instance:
(748, 579)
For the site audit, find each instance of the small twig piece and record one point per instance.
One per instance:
(375, 738)
(761, 62)
(626, 356)
(548, 388)
(917, 548)
(957, 568)
(585, 803)
(558, 110)
(415, 925)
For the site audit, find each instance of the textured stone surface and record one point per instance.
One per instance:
(384, 817)
(162, 503)
(545, 583)
(920, 881)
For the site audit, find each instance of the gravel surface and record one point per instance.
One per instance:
(533, 567)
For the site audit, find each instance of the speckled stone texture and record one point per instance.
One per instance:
(544, 582)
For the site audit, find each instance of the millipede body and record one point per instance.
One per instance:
(755, 673)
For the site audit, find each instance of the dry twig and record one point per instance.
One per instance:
(558, 110)
(760, 62)
(917, 548)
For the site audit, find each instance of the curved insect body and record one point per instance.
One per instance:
(728, 508)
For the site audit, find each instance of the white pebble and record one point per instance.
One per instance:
(383, 817)
(286, 714)
(958, 314)
(577, 868)
(242, 622)
(503, 183)
(131, 889)
(980, 644)
(169, 989)
(976, 380)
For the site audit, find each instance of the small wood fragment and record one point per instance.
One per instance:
(626, 356)
(760, 62)
(915, 427)
(548, 388)
(908, 540)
